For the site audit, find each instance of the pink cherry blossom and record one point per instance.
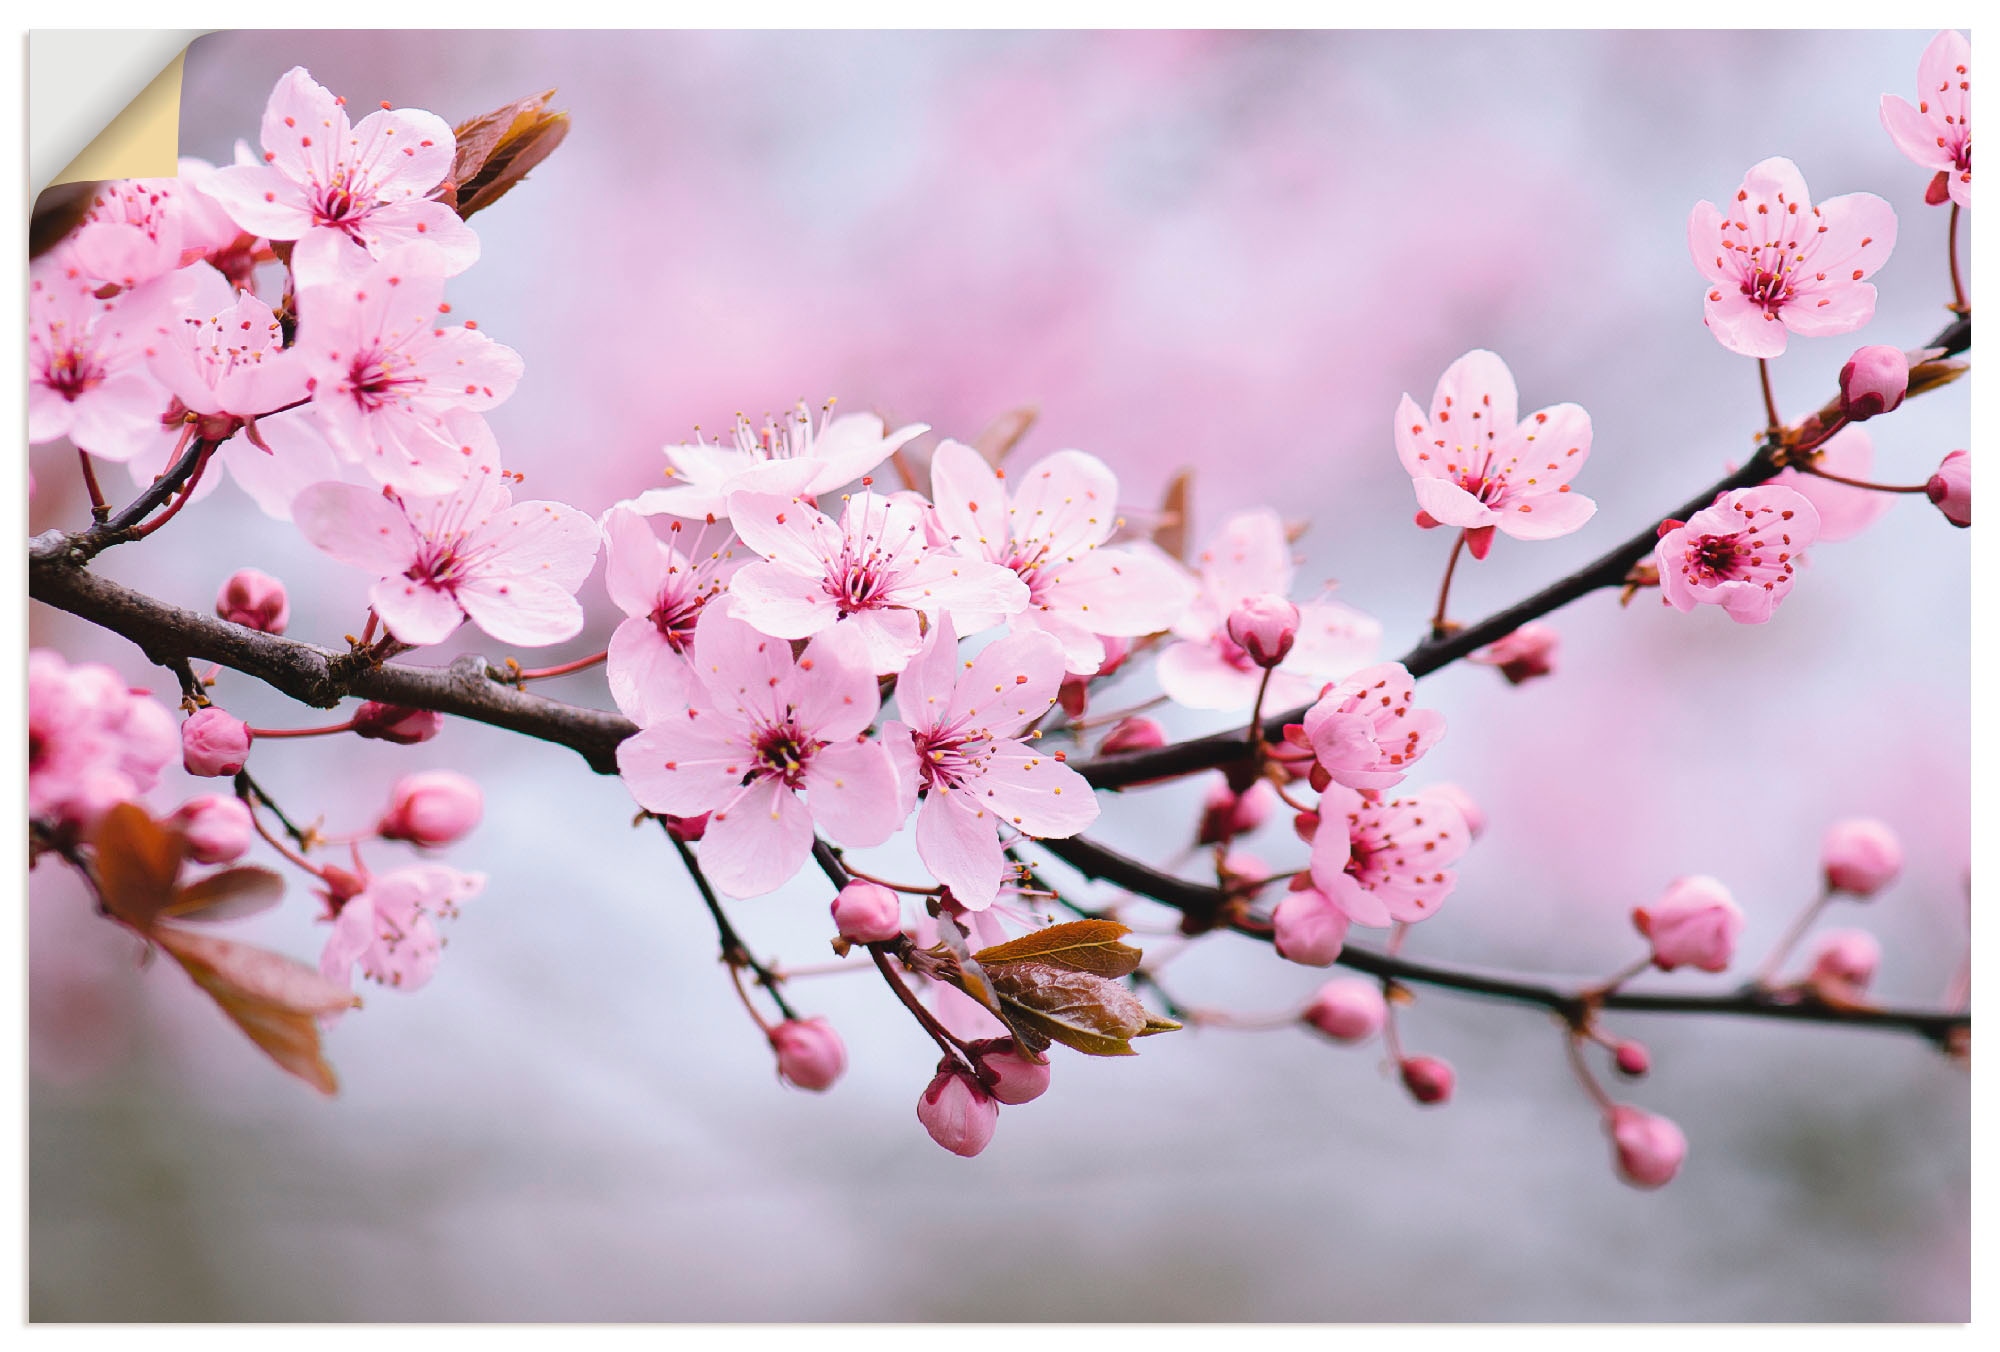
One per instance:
(810, 1053)
(662, 591)
(760, 730)
(1874, 381)
(512, 568)
(1937, 133)
(1694, 924)
(1521, 656)
(385, 376)
(254, 600)
(1478, 466)
(286, 455)
(142, 228)
(1366, 732)
(873, 573)
(1844, 511)
(1208, 670)
(958, 741)
(1843, 964)
(390, 928)
(342, 190)
(1742, 554)
(957, 1111)
(88, 373)
(1384, 860)
(789, 458)
(224, 355)
(1308, 928)
(1049, 524)
(1951, 488)
(1779, 264)
(92, 742)
(1227, 814)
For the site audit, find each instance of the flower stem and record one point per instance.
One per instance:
(950, 1045)
(1807, 467)
(1958, 305)
(140, 532)
(327, 731)
(1438, 622)
(562, 669)
(1791, 939)
(1573, 1042)
(735, 953)
(1772, 422)
(1257, 716)
(100, 510)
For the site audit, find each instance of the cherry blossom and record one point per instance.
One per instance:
(1742, 554)
(1384, 860)
(1860, 856)
(1478, 466)
(958, 740)
(792, 457)
(142, 228)
(872, 573)
(662, 591)
(345, 191)
(1937, 133)
(511, 567)
(1950, 488)
(1050, 525)
(1695, 923)
(1779, 264)
(760, 730)
(810, 1053)
(92, 742)
(1366, 732)
(390, 928)
(1521, 656)
(88, 374)
(386, 377)
(1844, 511)
(1208, 670)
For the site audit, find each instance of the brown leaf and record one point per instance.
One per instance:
(58, 210)
(273, 999)
(229, 895)
(1078, 1009)
(1001, 435)
(1081, 945)
(497, 149)
(137, 863)
(1170, 533)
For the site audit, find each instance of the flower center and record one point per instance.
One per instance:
(1767, 288)
(73, 372)
(675, 617)
(339, 204)
(374, 383)
(784, 752)
(437, 564)
(1714, 558)
(951, 758)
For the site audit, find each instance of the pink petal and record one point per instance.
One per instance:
(780, 601)
(852, 789)
(758, 842)
(1548, 448)
(358, 526)
(1825, 314)
(1452, 505)
(971, 501)
(1915, 134)
(1068, 501)
(432, 225)
(832, 691)
(1844, 511)
(1741, 325)
(299, 458)
(1416, 443)
(1858, 231)
(957, 840)
(1124, 592)
(649, 681)
(548, 541)
(1544, 516)
(416, 612)
(892, 637)
(789, 532)
(636, 562)
(1010, 684)
(686, 765)
(402, 153)
(1250, 556)
(1475, 402)
(1706, 226)
(530, 612)
(741, 668)
(1197, 676)
(1033, 792)
(261, 200)
(305, 131)
(924, 689)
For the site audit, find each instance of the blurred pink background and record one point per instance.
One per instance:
(1231, 252)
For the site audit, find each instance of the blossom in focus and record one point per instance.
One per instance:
(139, 229)
(662, 591)
(1521, 656)
(386, 374)
(791, 458)
(867, 913)
(1386, 860)
(345, 191)
(760, 730)
(1308, 928)
(810, 1054)
(435, 807)
(1206, 669)
(1742, 554)
(88, 373)
(1366, 732)
(224, 355)
(1951, 488)
(1478, 466)
(1649, 1148)
(390, 925)
(1049, 524)
(92, 742)
(1874, 381)
(957, 1111)
(1016, 1077)
(1937, 133)
(958, 741)
(214, 742)
(1777, 264)
(1860, 856)
(512, 568)
(873, 573)
(1695, 923)
(1844, 510)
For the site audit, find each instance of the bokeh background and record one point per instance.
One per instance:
(1230, 252)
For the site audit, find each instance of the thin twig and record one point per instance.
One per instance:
(734, 951)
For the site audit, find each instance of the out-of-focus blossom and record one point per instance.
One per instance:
(1137, 733)
(254, 600)
(792, 459)
(216, 827)
(662, 592)
(393, 723)
(389, 925)
(1951, 488)
(213, 742)
(759, 730)
(1937, 133)
(1742, 554)
(867, 913)
(1308, 928)
(1777, 264)
(1649, 1148)
(1366, 732)
(1873, 381)
(1208, 670)
(1695, 923)
(957, 1111)
(1429, 1079)
(1226, 814)
(1478, 466)
(1632, 1059)
(810, 1054)
(1049, 524)
(1528, 652)
(512, 568)
(139, 229)
(435, 807)
(872, 573)
(1843, 964)
(1348, 1009)
(1016, 1077)
(1468, 808)
(1860, 856)
(1844, 510)
(1385, 860)
(92, 742)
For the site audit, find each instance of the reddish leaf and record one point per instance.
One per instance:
(497, 149)
(136, 863)
(1078, 1009)
(1001, 435)
(273, 999)
(1081, 945)
(229, 895)
(1170, 532)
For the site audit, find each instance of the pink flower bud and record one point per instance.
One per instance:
(1632, 1059)
(1265, 626)
(956, 1111)
(1074, 695)
(1310, 928)
(393, 723)
(1226, 814)
(432, 808)
(1844, 963)
(1694, 924)
(1475, 817)
(1528, 652)
(1017, 1077)
(254, 600)
(1861, 856)
(1116, 650)
(1134, 734)
(1348, 1009)
(1938, 191)
(1874, 381)
(867, 913)
(1244, 873)
(1951, 488)
(810, 1054)
(1650, 1148)
(686, 828)
(216, 827)
(213, 743)
(1428, 1079)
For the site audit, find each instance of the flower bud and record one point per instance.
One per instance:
(1632, 1059)
(1244, 874)
(1844, 963)
(1874, 381)
(432, 808)
(1428, 1079)
(867, 913)
(393, 723)
(254, 600)
(1017, 1077)
(1264, 626)
(1694, 924)
(213, 743)
(216, 827)
(1528, 652)
(1134, 734)
(1951, 488)
(685, 828)
(1074, 695)
(810, 1054)
(1861, 856)
(1475, 817)
(1348, 1009)
(1649, 1148)
(1226, 814)
(1309, 928)
(956, 1111)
